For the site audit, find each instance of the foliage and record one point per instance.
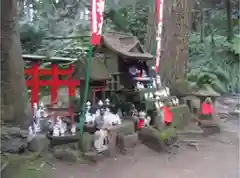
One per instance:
(213, 63)
(71, 18)
(31, 38)
(131, 19)
(235, 45)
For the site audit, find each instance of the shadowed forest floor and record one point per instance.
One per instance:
(217, 157)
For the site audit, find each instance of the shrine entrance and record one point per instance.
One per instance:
(47, 73)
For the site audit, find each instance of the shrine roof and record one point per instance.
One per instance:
(126, 45)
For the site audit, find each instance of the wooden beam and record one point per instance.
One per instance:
(65, 38)
(29, 57)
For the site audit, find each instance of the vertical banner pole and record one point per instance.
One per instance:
(97, 9)
(85, 96)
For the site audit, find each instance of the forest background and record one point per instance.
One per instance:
(211, 38)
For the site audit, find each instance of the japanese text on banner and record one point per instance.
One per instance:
(97, 20)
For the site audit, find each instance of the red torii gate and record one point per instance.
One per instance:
(35, 83)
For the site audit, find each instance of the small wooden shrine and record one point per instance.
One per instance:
(111, 64)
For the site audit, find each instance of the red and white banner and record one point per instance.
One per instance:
(97, 11)
(159, 10)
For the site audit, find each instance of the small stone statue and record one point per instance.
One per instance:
(107, 102)
(88, 105)
(56, 131)
(154, 83)
(158, 81)
(167, 91)
(139, 86)
(148, 95)
(175, 102)
(147, 121)
(73, 129)
(35, 108)
(36, 119)
(31, 133)
(100, 103)
(141, 120)
(144, 73)
(101, 133)
(158, 104)
(36, 125)
(89, 118)
(59, 127)
(133, 111)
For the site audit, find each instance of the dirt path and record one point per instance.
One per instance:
(217, 158)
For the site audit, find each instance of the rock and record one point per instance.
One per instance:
(235, 113)
(209, 127)
(127, 127)
(74, 146)
(14, 132)
(181, 116)
(92, 156)
(66, 154)
(209, 123)
(13, 140)
(39, 143)
(16, 145)
(86, 142)
(112, 145)
(126, 142)
(156, 139)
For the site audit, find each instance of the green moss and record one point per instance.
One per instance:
(166, 133)
(26, 167)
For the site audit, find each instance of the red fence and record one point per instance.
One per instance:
(35, 83)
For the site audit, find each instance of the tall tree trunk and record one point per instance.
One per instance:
(13, 89)
(202, 26)
(176, 25)
(229, 19)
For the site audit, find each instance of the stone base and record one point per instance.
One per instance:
(39, 143)
(112, 145)
(127, 127)
(127, 142)
(208, 123)
(86, 142)
(209, 127)
(153, 138)
(67, 154)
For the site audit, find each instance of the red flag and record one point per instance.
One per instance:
(97, 10)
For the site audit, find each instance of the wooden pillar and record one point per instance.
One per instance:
(55, 84)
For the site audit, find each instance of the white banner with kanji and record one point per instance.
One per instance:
(159, 10)
(97, 10)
